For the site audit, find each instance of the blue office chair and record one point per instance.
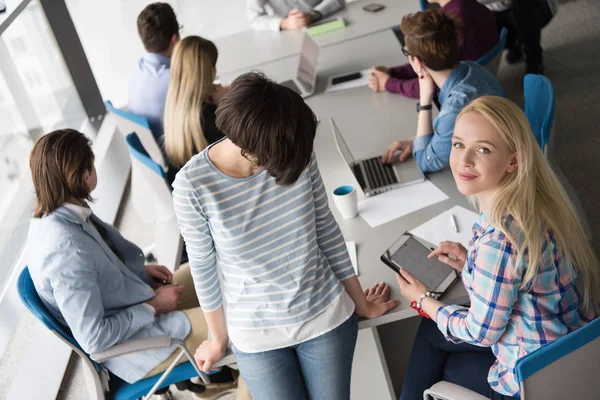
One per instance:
(152, 142)
(153, 203)
(491, 60)
(564, 369)
(539, 108)
(106, 385)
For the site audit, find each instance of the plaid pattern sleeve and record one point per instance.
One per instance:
(512, 321)
(492, 277)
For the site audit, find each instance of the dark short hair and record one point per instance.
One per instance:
(156, 25)
(433, 37)
(58, 162)
(270, 123)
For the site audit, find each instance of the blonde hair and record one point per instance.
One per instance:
(534, 197)
(192, 64)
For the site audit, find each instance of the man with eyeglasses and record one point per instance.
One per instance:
(477, 26)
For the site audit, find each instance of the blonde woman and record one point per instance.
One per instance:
(530, 272)
(189, 119)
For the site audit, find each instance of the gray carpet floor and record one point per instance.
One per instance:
(571, 45)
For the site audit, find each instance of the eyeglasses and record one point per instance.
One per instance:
(405, 52)
(180, 28)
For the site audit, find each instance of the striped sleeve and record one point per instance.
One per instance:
(329, 236)
(194, 228)
(494, 289)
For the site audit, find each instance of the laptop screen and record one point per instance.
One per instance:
(341, 144)
(307, 68)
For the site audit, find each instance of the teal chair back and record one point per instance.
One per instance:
(539, 106)
(151, 141)
(564, 369)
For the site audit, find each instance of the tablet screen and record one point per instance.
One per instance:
(412, 256)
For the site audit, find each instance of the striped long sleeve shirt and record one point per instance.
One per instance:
(513, 321)
(280, 252)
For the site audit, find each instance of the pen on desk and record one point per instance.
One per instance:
(453, 222)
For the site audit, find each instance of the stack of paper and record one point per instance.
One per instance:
(385, 207)
(439, 228)
(352, 252)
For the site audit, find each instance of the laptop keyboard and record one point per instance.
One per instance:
(291, 85)
(378, 174)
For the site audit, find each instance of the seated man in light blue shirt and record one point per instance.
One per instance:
(159, 30)
(275, 15)
(432, 47)
(94, 281)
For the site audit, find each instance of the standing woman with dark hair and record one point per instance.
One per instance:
(255, 202)
(192, 100)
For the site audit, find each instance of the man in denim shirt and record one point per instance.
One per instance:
(431, 45)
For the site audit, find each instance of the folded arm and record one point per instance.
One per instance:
(79, 299)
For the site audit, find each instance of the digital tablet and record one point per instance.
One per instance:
(410, 252)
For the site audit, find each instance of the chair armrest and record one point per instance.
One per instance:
(227, 359)
(449, 391)
(132, 346)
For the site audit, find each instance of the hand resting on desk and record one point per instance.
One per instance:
(378, 78)
(295, 20)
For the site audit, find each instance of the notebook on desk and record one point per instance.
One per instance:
(322, 27)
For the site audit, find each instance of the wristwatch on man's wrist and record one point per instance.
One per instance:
(420, 107)
(315, 15)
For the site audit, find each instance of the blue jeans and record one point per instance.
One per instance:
(319, 368)
(435, 359)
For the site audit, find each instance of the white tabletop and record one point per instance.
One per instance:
(13, 9)
(369, 122)
(249, 49)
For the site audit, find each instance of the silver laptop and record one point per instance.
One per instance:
(372, 175)
(305, 79)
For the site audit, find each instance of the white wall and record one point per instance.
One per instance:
(107, 29)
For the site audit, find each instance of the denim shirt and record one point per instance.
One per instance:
(467, 82)
(148, 90)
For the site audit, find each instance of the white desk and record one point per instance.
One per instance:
(250, 49)
(369, 122)
(379, 48)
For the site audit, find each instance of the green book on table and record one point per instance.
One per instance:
(323, 27)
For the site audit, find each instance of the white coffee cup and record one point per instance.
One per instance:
(346, 201)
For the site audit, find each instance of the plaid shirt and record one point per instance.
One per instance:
(512, 321)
